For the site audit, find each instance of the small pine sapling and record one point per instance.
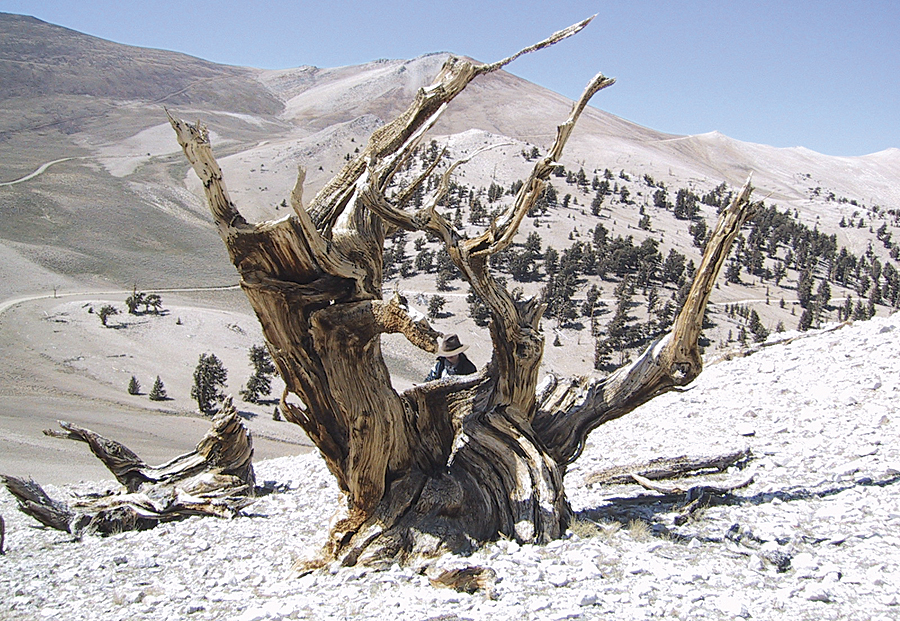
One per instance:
(158, 391)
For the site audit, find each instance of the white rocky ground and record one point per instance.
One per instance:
(819, 414)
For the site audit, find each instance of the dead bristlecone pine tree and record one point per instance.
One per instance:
(214, 479)
(448, 464)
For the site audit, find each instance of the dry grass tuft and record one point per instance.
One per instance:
(586, 529)
(639, 530)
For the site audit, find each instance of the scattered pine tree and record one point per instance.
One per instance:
(436, 306)
(158, 391)
(259, 384)
(210, 376)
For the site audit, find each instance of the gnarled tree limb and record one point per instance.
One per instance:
(455, 75)
(668, 468)
(574, 407)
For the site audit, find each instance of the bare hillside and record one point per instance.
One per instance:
(96, 109)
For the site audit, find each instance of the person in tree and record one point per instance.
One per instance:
(451, 360)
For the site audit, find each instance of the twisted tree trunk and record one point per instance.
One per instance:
(447, 464)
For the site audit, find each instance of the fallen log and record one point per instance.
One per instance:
(696, 497)
(668, 468)
(216, 479)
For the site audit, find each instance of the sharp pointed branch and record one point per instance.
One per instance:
(407, 192)
(682, 348)
(556, 37)
(389, 168)
(194, 140)
(597, 83)
(504, 228)
(444, 185)
(453, 78)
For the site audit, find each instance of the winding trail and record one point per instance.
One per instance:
(40, 169)
(5, 305)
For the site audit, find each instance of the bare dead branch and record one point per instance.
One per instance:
(194, 139)
(682, 349)
(504, 228)
(389, 167)
(668, 468)
(575, 407)
(34, 501)
(694, 490)
(556, 37)
(453, 78)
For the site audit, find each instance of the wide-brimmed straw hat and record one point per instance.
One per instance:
(451, 346)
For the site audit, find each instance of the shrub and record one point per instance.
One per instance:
(106, 311)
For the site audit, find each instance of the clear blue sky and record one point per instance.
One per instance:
(824, 75)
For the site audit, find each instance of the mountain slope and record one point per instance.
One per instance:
(123, 206)
(40, 60)
(813, 534)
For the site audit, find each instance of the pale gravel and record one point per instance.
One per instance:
(819, 414)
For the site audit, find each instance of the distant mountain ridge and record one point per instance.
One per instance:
(70, 95)
(38, 59)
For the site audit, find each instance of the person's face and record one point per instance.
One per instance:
(453, 359)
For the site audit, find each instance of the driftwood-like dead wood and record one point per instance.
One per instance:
(34, 501)
(447, 464)
(668, 468)
(696, 496)
(466, 579)
(689, 491)
(216, 479)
